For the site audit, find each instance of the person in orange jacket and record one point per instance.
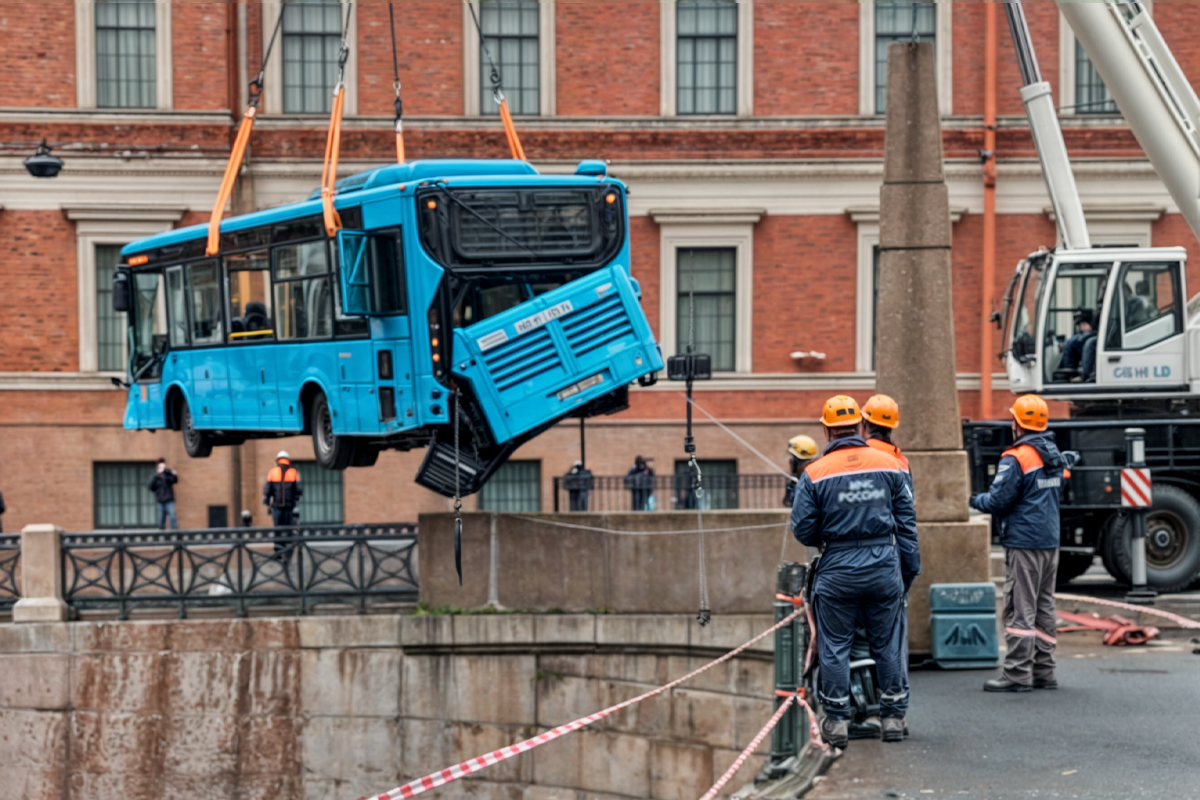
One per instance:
(283, 490)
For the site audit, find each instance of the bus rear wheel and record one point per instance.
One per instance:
(198, 444)
(332, 451)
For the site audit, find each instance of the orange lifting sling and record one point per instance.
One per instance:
(333, 140)
(238, 153)
(510, 130)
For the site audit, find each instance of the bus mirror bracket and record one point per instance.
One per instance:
(120, 384)
(121, 298)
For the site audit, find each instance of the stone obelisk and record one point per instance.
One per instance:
(914, 332)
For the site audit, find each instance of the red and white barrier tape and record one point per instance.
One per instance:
(814, 730)
(1182, 622)
(750, 748)
(444, 776)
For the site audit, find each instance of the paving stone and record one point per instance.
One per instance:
(493, 629)
(201, 682)
(35, 680)
(364, 751)
(703, 717)
(126, 637)
(629, 629)
(350, 682)
(204, 745)
(118, 682)
(35, 637)
(118, 743)
(565, 628)
(375, 630)
(680, 771)
(596, 761)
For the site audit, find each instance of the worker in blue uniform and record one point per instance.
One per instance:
(1025, 496)
(856, 504)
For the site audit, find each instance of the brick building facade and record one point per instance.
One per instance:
(752, 130)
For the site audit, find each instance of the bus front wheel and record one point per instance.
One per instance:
(332, 451)
(197, 443)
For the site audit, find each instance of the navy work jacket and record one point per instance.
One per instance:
(855, 492)
(1025, 493)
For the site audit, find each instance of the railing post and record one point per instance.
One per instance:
(791, 731)
(41, 576)
(1135, 459)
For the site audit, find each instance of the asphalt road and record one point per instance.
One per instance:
(1124, 724)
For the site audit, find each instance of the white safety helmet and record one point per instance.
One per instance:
(282, 454)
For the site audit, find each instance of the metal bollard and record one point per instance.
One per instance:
(790, 641)
(1135, 458)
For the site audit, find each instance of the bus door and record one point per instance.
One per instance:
(251, 354)
(148, 348)
(371, 285)
(211, 403)
(1142, 337)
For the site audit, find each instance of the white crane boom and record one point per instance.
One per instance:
(1151, 90)
(1047, 136)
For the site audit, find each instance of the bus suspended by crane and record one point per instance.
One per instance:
(464, 306)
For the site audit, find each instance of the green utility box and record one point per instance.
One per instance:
(962, 624)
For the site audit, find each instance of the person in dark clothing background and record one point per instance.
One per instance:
(163, 486)
(578, 482)
(640, 483)
(1025, 495)
(283, 490)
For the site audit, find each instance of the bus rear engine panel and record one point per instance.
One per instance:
(461, 294)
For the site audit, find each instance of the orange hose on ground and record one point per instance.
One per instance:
(510, 130)
(333, 142)
(231, 172)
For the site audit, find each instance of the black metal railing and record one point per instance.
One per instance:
(240, 567)
(667, 492)
(10, 561)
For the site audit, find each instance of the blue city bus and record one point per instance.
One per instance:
(477, 276)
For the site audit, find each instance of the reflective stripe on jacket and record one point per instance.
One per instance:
(857, 492)
(283, 488)
(1025, 493)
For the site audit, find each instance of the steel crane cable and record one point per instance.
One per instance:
(238, 152)
(396, 86)
(705, 613)
(510, 130)
(458, 523)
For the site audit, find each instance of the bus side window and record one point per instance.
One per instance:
(249, 281)
(204, 283)
(149, 322)
(177, 307)
(303, 296)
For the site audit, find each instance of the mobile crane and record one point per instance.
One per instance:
(1109, 329)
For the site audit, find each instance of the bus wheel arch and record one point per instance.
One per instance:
(331, 450)
(197, 443)
(174, 408)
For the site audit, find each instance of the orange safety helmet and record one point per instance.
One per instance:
(882, 410)
(840, 412)
(1031, 412)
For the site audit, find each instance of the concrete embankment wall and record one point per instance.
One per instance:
(341, 707)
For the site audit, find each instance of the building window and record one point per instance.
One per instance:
(125, 59)
(719, 479)
(110, 325)
(510, 36)
(1091, 95)
(312, 39)
(706, 57)
(516, 486)
(322, 500)
(122, 495)
(895, 22)
(706, 301)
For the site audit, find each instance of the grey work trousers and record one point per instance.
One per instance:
(1029, 619)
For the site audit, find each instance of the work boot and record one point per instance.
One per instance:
(894, 729)
(1045, 683)
(869, 728)
(1004, 684)
(836, 732)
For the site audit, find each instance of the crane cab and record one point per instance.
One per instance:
(1101, 323)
